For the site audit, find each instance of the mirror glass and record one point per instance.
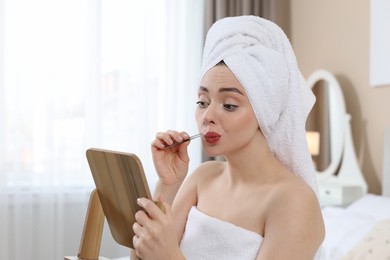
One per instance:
(318, 122)
(328, 119)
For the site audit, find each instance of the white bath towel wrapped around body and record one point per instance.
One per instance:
(262, 59)
(209, 238)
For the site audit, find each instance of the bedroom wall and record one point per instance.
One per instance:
(334, 35)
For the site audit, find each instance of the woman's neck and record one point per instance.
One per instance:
(254, 163)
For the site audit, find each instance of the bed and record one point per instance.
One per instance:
(358, 231)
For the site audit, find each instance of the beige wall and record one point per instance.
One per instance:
(334, 35)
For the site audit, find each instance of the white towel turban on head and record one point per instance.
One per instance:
(261, 57)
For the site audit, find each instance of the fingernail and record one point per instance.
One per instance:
(139, 201)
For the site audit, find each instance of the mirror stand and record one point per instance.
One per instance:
(342, 181)
(349, 184)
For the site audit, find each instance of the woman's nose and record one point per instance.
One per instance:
(209, 115)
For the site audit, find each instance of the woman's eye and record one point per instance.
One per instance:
(201, 104)
(230, 107)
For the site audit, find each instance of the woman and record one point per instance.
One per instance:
(260, 203)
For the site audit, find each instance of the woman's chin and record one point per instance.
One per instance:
(212, 152)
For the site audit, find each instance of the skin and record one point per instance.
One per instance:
(251, 189)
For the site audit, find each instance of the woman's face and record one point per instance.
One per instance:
(224, 114)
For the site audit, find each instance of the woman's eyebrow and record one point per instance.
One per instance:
(232, 89)
(236, 90)
(204, 89)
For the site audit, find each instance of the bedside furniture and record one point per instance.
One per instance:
(334, 193)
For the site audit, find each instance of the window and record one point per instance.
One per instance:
(81, 73)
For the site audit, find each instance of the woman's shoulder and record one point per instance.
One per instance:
(294, 189)
(212, 166)
(296, 205)
(206, 172)
(209, 169)
(291, 194)
(293, 200)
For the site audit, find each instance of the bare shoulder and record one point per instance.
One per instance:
(211, 166)
(294, 193)
(207, 171)
(294, 218)
(293, 199)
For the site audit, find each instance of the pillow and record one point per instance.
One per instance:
(375, 245)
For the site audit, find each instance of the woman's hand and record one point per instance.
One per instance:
(171, 163)
(155, 236)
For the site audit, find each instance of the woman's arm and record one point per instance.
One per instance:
(158, 233)
(168, 192)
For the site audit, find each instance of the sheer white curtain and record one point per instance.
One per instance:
(76, 74)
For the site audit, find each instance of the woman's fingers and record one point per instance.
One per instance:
(151, 209)
(137, 228)
(168, 138)
(154, 232)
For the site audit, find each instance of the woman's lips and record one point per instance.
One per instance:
(212, 137)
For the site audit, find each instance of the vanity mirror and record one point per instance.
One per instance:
(339, 177)
(327, 119)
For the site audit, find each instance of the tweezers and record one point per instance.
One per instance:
(191, 137)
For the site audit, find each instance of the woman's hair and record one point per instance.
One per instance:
(221, 63)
